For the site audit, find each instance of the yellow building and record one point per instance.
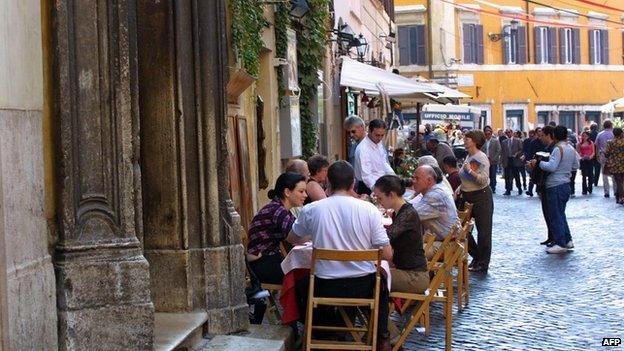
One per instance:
(523, 64)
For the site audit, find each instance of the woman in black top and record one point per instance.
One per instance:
(409, 273)
(318, 166)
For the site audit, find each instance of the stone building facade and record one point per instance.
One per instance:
(114, 202)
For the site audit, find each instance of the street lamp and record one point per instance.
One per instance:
(498, 36)
(361, 47)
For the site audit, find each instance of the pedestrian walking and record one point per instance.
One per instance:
(475, 188)
(601, 145)
(492, 149)
(511, 161)
(586, 150)
(615, 163)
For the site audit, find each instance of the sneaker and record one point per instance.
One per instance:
(550, 244)
(570, 245)
(545, 242)
(556, 249)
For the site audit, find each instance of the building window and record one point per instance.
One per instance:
(412, 45)
(599, 47)
(542, 118)
(568, 119)
(515, 119)
(545, 45)
(472, 38)
(569, 46)
(514, 45)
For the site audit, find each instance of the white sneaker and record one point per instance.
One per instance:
(570, 245)
(556, 249)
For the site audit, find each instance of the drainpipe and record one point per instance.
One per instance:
(429, 40)
(528, 37)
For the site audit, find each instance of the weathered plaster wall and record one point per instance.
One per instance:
(29, 315)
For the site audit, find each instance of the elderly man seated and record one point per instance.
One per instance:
(341, 222)
(436, 208)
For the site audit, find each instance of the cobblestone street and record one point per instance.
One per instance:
(530, 300)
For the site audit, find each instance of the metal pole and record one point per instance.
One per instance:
(429, 45)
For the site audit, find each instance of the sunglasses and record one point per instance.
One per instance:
(352, 131)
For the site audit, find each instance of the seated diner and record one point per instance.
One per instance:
(409, 273)
(271, 225)
(317, 165)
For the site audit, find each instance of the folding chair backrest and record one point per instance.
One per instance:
(343, 255)
(466, 229)
(466, 214)
(451, 236)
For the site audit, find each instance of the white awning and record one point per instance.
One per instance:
(613, 106)
(358, 75)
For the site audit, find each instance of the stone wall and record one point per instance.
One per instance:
(27, 299)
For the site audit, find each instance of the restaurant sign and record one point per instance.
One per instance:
(443, 116)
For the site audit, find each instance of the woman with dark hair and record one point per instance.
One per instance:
(318, 166)
(587, 152)
(271, 225)
(409, 273)
(475, 188)
(615, 162)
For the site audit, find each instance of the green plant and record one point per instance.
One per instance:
(312, 37)
(248, 22)
(618, 122)
(282, 24)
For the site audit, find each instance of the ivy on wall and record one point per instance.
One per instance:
(248, 22)
(312, 35)
(282, 24)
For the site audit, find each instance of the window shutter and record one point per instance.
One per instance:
(506, 42)
(576, 43)
(467, 43)
(537, 38)
(403, 46)
(604, 46)
(552, 45)
(562, 40)
(413, 45)
(422, 46)
(591, 47)
(479, 39)
(521, 54)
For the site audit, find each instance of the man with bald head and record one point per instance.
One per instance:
(436, 208)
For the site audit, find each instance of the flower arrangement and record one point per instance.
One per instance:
(408, 165)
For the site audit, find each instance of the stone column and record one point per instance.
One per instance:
(103, 289)
(195, 261)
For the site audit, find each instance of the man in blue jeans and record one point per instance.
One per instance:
(562, 160)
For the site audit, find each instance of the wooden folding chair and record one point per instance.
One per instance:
(273, 312)
(463, 276)
(452, 252)
(370, 327)
(439, 254)
(466, 214)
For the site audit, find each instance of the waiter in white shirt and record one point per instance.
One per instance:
(371, 158)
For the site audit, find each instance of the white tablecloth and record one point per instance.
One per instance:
(300, 257)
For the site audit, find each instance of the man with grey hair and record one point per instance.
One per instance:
(298, 166)
(356, 130)
(436, 208)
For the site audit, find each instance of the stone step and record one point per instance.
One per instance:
(258, 337)
(178, 330)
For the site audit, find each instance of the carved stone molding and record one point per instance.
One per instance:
(102, 276)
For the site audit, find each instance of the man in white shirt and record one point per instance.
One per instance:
(371, 158)
(341, 222)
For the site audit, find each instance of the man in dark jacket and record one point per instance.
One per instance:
(511, 161)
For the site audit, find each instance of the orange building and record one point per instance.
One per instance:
(525, 63)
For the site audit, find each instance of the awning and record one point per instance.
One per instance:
(371, 79)
(613, 106)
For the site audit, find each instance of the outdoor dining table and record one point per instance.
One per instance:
(296, 266)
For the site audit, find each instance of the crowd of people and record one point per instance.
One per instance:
(337, 205)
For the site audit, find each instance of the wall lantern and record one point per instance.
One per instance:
(361, 47)
(498, 36)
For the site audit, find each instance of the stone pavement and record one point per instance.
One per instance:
(530, 300)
